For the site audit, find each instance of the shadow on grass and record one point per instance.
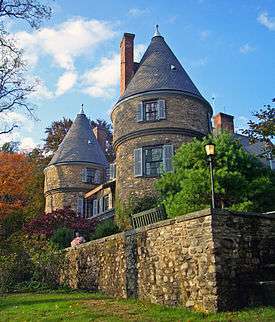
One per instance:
(7, 301)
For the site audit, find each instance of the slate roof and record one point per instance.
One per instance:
(159, 69)
(80, 145)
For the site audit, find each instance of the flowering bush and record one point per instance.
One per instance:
(47, 224)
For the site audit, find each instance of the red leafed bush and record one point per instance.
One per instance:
(47, 224)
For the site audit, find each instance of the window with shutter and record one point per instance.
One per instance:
(153, 159)
(168, 152)
(138, 162)
(140, 112)
(95, 203)
(161, 110)
(110, 201)
(97, 177)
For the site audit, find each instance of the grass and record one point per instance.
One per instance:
(85, 306)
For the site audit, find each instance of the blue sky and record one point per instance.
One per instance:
(227, 48)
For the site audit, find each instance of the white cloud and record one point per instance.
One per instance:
(136, 12)
(42, 91)
(27, 144)
(66, 41)
(139, 51)
(65, 82)
(246, 48)
(101, 80)
(265, 20)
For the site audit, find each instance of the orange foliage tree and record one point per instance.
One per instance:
(15, 175)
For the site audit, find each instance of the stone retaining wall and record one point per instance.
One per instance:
(196, 260)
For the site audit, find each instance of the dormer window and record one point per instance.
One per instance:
(150, 111)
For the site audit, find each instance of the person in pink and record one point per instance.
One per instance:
(77, 240)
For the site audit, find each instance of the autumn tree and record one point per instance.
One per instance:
(15, 176)
(15, 86)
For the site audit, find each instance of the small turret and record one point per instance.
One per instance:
(78, 166)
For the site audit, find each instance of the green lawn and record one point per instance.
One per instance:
(84, 306)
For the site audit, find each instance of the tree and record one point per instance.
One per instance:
(56, 133)
(15, 87)
(263, 129)
(109, 153)
(15, 175)
(10, 147)
(241, 181)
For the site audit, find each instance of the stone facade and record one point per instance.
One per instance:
(64, 186)
(186, 118)
(205, 261)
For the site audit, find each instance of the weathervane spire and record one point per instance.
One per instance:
(82, 110)
(157, 33)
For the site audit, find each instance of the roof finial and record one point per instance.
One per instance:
(157, 33)
(82, 110)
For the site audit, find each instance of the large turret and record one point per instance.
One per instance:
(78, 166)
(159, 109)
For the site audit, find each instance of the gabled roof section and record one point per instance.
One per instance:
(80, 145)
(159, 69)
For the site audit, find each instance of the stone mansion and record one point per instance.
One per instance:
(159, 108)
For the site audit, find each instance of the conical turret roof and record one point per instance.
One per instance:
(80, 144)
(159, 69)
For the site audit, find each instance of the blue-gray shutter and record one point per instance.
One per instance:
(80, 206)
(138, 171)
(110, 206)
(140, 112)
(161, 110)
(100, 205)
(112, 171)
(83, 175)
(97, 177)
(168, 152)
(94, 207)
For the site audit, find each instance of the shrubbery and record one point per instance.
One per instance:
(27, 262)
(241, 181)
(47, 224)
(105, 228)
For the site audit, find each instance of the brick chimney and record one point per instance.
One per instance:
(223, 122)
(126, 60)
(101, 136)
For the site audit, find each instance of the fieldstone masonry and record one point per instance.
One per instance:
(205, 261)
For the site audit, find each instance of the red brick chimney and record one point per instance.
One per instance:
(126, 60)
(223, 122)
(101, 136)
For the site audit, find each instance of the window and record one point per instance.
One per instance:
(112, 171)
(80, 206)
(88, 208)
(149, 111)
(90, 175)
(151, 161)
(101, 205)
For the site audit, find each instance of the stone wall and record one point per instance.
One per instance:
(204, 261)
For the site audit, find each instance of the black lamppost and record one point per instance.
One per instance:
(210, 151)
